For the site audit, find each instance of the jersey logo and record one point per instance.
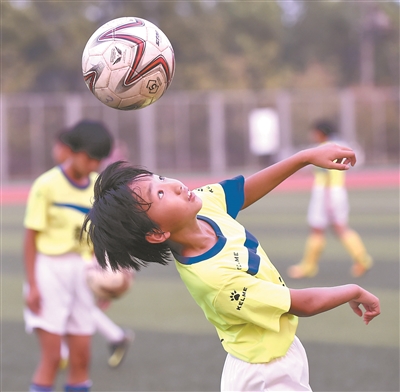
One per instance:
(82, 209)
(206, 188)
(235, 295)
(237, 261)
(239, 298)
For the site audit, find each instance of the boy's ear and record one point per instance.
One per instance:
(157, 238)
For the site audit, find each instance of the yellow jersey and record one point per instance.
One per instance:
(329, 178)
(56, 209)
(239, 290)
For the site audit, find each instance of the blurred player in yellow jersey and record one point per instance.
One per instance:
(329, 207)
(118, 338)
(58, 302)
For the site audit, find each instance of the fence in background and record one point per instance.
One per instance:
(205, 132)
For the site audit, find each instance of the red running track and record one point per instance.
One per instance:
(363, 179)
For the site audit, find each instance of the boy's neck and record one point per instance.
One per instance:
(74, 176)
(194, 242)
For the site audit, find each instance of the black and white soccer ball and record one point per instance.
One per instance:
(128, 63)
(107, 284)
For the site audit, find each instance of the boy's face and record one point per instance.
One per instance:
(173, 205)
(318, 136)
(60, 152)
(83, 164)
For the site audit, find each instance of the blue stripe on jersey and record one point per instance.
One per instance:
(234, 194)
(251, 244)
(85, 210)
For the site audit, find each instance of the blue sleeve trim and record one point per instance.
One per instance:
(234, 195)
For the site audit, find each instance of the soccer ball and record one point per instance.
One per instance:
(107, 284)
(128, 63)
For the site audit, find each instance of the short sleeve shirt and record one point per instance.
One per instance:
(56, 209)
(240, 291)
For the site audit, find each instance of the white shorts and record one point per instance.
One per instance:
(289, 373)
(328, 206)
(66, 301)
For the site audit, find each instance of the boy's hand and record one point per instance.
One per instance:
(331, 156)
(33, 300)
(103, 304)
(370, 304)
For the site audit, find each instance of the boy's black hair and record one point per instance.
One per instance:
(325, 126)
(117, 223)
(89, 136)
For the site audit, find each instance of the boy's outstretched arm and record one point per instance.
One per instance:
(328, 156)
(312, 301)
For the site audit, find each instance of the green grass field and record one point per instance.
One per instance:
(177, 350)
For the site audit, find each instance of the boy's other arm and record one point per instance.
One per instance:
(312, 301)
(328, 156)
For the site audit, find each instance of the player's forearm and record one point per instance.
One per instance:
(261, 183)
(312, 301)
(30, 256)
(329, 156)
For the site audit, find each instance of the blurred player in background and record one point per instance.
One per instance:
(139, 218)
(329, 207)
(118, 338)
(59, 303)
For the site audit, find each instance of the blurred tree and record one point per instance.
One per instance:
(332, 34)
(218, 44)
(42, 43)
